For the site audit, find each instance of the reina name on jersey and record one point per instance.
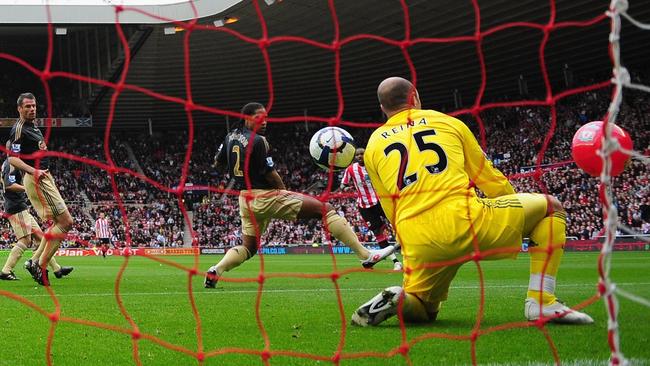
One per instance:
(403, 127)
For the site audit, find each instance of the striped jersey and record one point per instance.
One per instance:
(366, 195)
(102, 230)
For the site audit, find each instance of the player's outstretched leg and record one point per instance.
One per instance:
(548, 237)
(382, 241)
(255, 216)
(211, 278)
(340, 228)
(234, 257)
(376, 256)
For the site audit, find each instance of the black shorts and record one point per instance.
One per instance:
(375, 218)
(105, 240)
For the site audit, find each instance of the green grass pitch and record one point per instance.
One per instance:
(301, 315)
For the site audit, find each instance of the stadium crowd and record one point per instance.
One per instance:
(514, 139)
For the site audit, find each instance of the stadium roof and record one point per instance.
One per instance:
(226, 71)
(102, 11)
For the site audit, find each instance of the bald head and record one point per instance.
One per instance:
(396, 94)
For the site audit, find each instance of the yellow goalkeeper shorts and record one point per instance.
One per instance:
(434, 243)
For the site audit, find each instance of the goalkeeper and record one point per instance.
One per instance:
(424, 166)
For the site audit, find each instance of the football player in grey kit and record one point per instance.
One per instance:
(26, 229)
(267, 198)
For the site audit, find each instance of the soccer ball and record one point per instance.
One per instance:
(332, 147)
(586, 146)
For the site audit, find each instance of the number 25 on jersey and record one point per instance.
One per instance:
(404, 179)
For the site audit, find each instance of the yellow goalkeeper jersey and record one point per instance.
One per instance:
(420, 158)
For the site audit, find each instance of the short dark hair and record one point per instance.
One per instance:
(398, 95)
(250, 109)
(24, 96)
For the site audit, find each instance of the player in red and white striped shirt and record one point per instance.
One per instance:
(103, 233)
(368, 202)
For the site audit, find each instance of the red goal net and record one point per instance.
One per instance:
(481, 109)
